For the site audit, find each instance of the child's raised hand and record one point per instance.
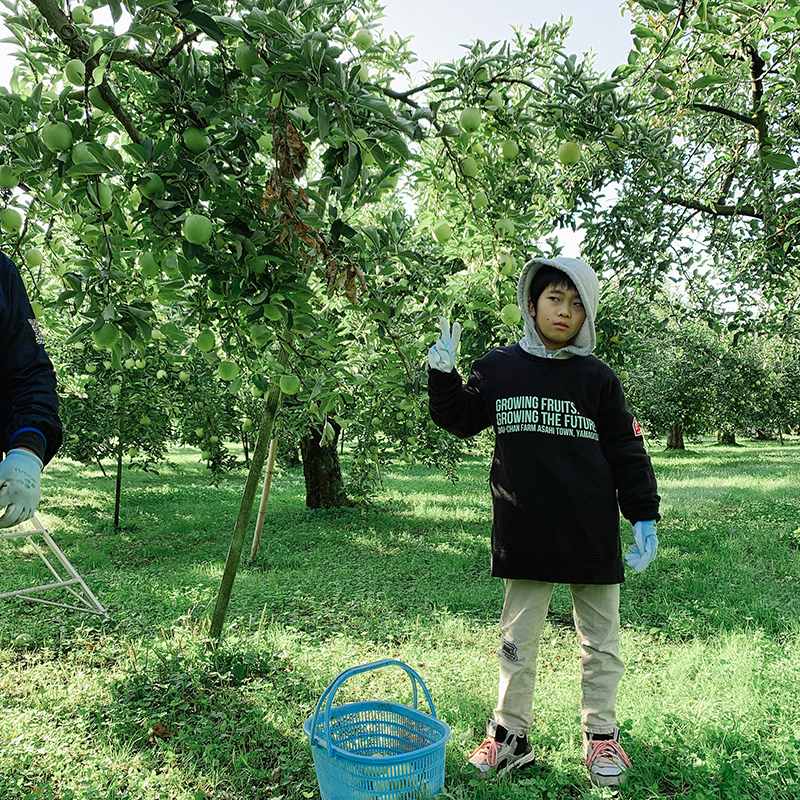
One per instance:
(644, 551)
(442, 355)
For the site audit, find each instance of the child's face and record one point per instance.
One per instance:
(558, 315)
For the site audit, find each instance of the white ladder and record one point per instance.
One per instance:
(74, 585)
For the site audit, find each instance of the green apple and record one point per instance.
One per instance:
(104, 196)
(213, 439)
(198, 432)
(205, 455)
(265, 143)
(442, 232)
(510, 314)
(206, 341)
(8, 177)
(623, 375)
(97, 100)
(148, 264)
(82, 15)
(195, 140)
(246, 58)
(115, 388)
(290, 383)
(10, 220)
(304, 113)
(81, 154)
(505, 227)
(494, 102)
(91, 368)
(508, 264)
(75, 72)
(247, 423)
(161, 374)
(145, 421)
(509, 150)
(363, 39)
(184, 377)
(23, 640)
(480, 200)
(152, 186)
(569, 153)
(228, 370)
(130, 363)
(140, 363)
(57, 136)
(469, 166)
(34, 257)
(197, 229)
(470, 119)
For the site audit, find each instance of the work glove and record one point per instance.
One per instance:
(644, 551)
(442, 355)
(20, 486)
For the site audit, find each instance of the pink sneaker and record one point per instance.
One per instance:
(605, 759)
(499, 752)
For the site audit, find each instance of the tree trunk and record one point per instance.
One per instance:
(322, 470)
(246, 506)
(675, 437)
(726, 436)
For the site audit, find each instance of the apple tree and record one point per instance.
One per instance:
(717, 204)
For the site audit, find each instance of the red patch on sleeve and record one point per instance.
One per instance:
(637, 428)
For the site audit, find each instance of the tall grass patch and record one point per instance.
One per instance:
(141, 707)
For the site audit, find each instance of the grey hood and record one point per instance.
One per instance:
(585, 280)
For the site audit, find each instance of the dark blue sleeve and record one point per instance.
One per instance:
(28, 396)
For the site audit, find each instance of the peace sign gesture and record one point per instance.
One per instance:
(442, 355)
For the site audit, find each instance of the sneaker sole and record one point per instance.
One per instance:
(521, 763)
(607, 780)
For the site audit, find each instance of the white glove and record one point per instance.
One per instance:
(442, 355)
(644, 551)
(20, 486)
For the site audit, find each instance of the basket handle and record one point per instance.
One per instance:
(335, 685)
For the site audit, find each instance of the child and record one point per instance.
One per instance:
(568, 457)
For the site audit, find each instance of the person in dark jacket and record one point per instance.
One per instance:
(568, 457)
(30, 428)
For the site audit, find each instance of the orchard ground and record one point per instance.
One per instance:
(139, 707)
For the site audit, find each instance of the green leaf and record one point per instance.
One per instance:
(666, 82)
(659, 92)
(642, 32)
(779, 161)
(604, 86)
(449, 130)
(88, 168)
(395, 141)
(376, 104)
(708, 80)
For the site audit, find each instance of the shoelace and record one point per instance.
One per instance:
(490, 747)
(607, 749)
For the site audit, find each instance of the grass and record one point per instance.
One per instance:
(140, 708)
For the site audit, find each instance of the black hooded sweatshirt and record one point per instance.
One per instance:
(568, 457)
(28, 399)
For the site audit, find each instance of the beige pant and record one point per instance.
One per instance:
(596, 613)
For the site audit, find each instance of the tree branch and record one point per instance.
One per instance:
(62, 26)
(716, 210)
(726, 112)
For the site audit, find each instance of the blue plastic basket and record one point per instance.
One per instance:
(376, 749)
